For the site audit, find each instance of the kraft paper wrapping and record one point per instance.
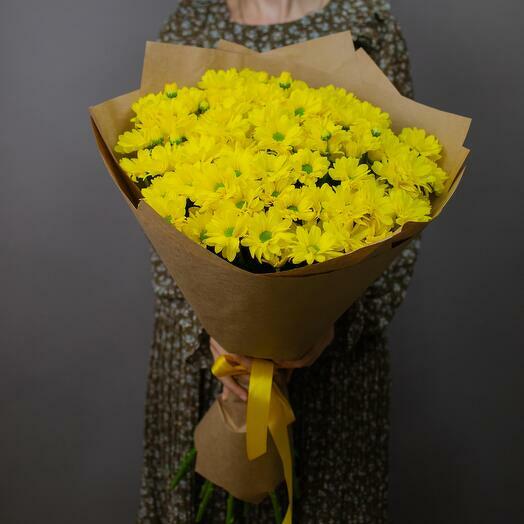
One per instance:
(220, 439)
(278, 315)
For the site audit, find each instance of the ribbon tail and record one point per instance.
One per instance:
(281, 417)
(258, 407)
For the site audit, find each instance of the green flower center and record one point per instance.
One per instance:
(299, 111)
(285, 85)
(278, 136)
(238, 172)
(178, 141)
(219, 185)
(240, 204)
(293, 208)
(275, 194)
(376, 133)
(203, 235)
(171, 94)
(202, 108)
(229, 232)
(313, 248)
(326, 136)
(155, 142)
(265, 236)
(307, 168)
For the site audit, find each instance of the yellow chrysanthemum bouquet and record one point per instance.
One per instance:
(271, 173)
(276, 188)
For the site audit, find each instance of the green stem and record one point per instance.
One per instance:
(203, 489)
(230, 508)
(185, 464)
(276, 508)
(206, 493)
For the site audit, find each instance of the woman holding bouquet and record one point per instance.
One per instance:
(341, 399)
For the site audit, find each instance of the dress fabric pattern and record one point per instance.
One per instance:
(341, 402)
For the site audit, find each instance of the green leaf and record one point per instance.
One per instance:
(185, 464)
(230, 510)
(206, 493)
(276, 508)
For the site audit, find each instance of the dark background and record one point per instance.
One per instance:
(76, 313)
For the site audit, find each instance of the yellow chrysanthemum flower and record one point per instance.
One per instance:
(294, 174)
(362, 138)
(343, 201)
(439, 177)
(137, 139)
(270, 167)
(224, 230)
(219, 79)
(221, 124)
(320, 132)
(348, 169)
(426, 145)
(238, 160)
(408, 208)
(312, 246)
(376, 232)
(295, 204)
(373, 115)
(196, 225)
(309, 166)
(267, 233)
(347, 235)
(247, 197)
(304, 103)
(284, 80)
(199, 149)
(213, 185)
(177, 130)
(372, 197)
(191, 100)
(280, 135)
(407, 171)
(165, 202)
(149, 162)
(170, 90)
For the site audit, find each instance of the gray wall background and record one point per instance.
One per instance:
(76, 303)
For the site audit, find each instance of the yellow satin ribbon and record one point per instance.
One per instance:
(267, 408)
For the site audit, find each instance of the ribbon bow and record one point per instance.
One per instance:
(267, 408)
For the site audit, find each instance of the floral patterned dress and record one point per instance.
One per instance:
(341, 402)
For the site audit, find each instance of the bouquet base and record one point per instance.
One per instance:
(220, 441)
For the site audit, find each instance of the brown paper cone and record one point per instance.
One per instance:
(276, 315)
(220, 440)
